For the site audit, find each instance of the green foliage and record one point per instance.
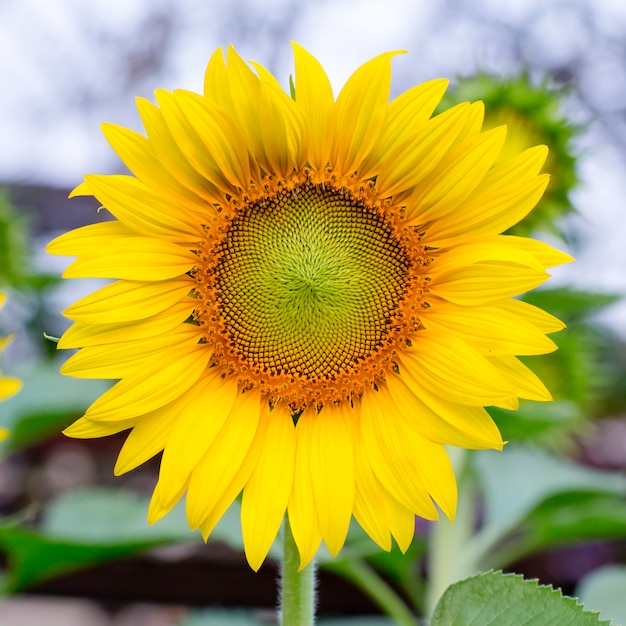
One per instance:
(535, 500)
(497, 599)
(47, 404)
(571, 305)
(93, 526)
(578, 374)
(15, 257)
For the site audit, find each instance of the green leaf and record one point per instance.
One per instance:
(603, 590)
(570, 304)
(497, 599)
(564, 518)
(548, 424)
(534, 499)
(92, 526)
(104, 516)
(33, 558)
(519, 478)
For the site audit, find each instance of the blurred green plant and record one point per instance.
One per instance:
(30, 286)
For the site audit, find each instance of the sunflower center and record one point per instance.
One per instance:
(306, 287)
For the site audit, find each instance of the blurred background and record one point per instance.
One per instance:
(74, 541)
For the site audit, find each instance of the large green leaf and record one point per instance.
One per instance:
(534, 499)
(93, 526)
(497, 599)
(564, 518)
(519, 478)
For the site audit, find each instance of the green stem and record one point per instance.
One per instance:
(371, 583)
(448, 542)
(297, 588)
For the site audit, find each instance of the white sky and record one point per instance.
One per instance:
(60, 77)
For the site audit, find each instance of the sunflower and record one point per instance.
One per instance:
(312, 297)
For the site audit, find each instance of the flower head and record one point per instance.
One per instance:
(312, 298)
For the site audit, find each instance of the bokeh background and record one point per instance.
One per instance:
(74, 537)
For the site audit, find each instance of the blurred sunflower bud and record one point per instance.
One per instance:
(533, 115)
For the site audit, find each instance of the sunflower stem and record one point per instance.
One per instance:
(297, 587)
(448, 541)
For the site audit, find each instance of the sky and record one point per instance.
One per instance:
(68, 65)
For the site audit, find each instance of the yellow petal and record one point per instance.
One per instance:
(241, 477)
(86, 239)
(83, 334)
(391, 457)
(128, 358)
(147, 438)
(157, 385)
(510, 172)
(416, 155)
(301, 508)
(525, 384)
(369, 499)
(221, 138)
(487, 214)
(457, 175)
(84, 428)
(480, 272)
(135, 258)
(331, 436)
(139, 155)
(267, 493)
(314, 97)
(242, 97)
(207, 406)
(440, 420)
(401, 523)
(544, 253)
(214, 474)
(545, 322)
(8, 387)
(407, 114)
(473, 124)
(188, 139)
(431, 462)
(361, 110)
(450, 368)
(157, 509)
(281, 127)
(491, 330)
(128, 301)
(144, 209)
(165, 147)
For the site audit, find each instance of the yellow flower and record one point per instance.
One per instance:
(8, 386)
(312, 297)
